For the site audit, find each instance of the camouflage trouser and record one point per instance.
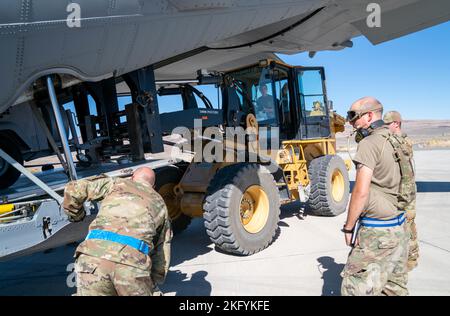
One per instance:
(377, 266)
(100, 277)
(413, 254)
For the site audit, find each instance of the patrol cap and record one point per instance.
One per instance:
(392, 116)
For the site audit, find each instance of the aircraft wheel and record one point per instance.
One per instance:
(9, 174)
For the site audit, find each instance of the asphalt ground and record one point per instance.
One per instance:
(306, 257)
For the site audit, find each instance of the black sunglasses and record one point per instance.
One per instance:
(354, 115)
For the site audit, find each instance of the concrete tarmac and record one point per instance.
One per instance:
(305, 259)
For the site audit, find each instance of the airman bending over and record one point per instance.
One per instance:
(127, 250)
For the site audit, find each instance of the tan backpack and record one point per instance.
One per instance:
(403, 156)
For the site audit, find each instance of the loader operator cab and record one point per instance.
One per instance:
(292, 98)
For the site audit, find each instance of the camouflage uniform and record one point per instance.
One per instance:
(413, 254)
(128, 208)
(377, 265)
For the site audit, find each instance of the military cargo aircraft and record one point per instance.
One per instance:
(59, 51)
(106, 38)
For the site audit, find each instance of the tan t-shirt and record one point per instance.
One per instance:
(376, 153)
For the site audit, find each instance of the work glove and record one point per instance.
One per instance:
(77, 216)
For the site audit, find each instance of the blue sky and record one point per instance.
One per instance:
(410, 74)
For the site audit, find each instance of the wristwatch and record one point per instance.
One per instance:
(347, 231)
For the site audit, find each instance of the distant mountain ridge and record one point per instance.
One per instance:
(425, 134)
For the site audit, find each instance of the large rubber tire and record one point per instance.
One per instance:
(330, 186)
(9, 174)
(222, 209)
(166, 179)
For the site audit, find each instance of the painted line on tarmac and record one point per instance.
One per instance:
(430, 244)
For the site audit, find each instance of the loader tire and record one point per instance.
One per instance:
(330, 186)
(166, 179)
(9, 174)
(242, 209)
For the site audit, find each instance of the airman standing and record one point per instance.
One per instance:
(393, 119)
(377, 262)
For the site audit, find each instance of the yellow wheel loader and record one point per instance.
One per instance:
(282, 148)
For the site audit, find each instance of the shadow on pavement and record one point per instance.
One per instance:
(297, 209)
(331, 276)
(39, 274)
(191, 243)
(181, 285)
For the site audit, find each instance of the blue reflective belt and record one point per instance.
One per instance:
(374, 222)
(121, 239)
